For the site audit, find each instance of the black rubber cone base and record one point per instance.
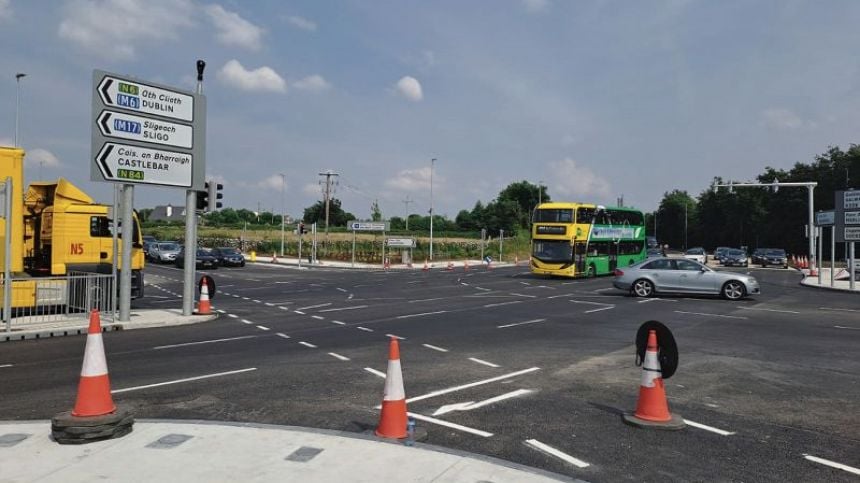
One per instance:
(674, 424)
(68, 429)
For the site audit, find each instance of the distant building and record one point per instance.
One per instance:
(167, 213)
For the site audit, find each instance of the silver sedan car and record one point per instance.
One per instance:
(679, 275)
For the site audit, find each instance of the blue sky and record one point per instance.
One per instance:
(595, 98)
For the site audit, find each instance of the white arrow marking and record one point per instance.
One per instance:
(453, 407)
(468, 406)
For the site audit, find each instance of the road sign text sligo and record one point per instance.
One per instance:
(143, 129)
(140, 97)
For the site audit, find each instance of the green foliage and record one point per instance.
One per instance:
(337, 217)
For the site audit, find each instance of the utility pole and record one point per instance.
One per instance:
(406, 202)
(283, 210)
(432, 163)
(328, 188)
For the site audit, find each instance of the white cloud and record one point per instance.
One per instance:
(41, 157)
(311, 189)
(574, 182)
(113, 28)
(302, 23)
(314, 83)
(5, 9)
(414, 180)
(536, 6)
(260, 79)
(233, 29)
(781, 118)
(410, 88)
(273, 182)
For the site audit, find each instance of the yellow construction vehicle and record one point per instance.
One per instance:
(56, 229)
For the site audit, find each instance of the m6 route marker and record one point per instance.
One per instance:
(139, 97)
(134, 164)
(146, 130)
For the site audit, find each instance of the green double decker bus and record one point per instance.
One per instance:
(585, 240)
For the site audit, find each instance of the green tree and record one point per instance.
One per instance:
(337, 216)
(375, 212)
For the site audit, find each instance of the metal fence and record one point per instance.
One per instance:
(56, 300)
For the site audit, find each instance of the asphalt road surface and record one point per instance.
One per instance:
(502, 358)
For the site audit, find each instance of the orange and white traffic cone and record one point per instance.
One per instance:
(805, 262)
(393, 418)
(274, 257)
(516, 261)
(204, 307)
(652, 410)
(793, 261)
(450, 266)
(465, 265)
(94, 397)
(426, 268)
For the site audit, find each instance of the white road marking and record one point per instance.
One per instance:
(838, 309)
(588, 303)
(308, 344)
(503, 303)
(282, 335)
(395, 336)
(269, 304)
(468, 406)
(341, 289)
(535, 321)
(472, 384)
(525, 283)
(604, 289)
(299, 312)
(256, 301)
(480, 361)
(221, 311)
(318, 317)
(420, 315)
(350, 296)
(234, 316)
(338, 356)
(338, 322)
(284, 308)
(435, 348)
(246, 298)
(712, 315)
(523, 295)
(375, 372)
(246, 321)
(459, 427)
(844, 327)
(771, 310)
(187, 379)
(314, 306)
(832, 464)
(426, 300)
(201, 342)
(598, 310)
(6, 365)
(646, 301)
(364, 329)
(712, 429)
(234, 295)
(263, 327)
(558, 454)
(354, 307)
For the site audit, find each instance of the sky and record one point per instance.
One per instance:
(596, 99)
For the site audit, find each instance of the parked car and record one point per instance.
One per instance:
(720, 252)
(735, 258)
(204, 259)
(229, 256)
(757, 255)
(697, 254)
(774, 256)
(654, 252)
(680, 275)
(652, 242)
(163, 252)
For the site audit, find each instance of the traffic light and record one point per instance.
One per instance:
(302, 229)
(202, 200)
(215, 194)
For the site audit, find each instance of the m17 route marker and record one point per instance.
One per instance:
(146, 130)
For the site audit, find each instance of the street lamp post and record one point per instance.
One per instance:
(432, 163)
(685, 224)
(283, 184)
(18, 78)
(540, 192)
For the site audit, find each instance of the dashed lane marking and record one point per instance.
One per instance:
(375, 372)
(770, 310)
(558, 454)
(314, 306)
(646, 301)
(338, 322)
(712, 315)
(712, 429)
(282, 335)
(425, 300)
(503, 303)
(364, 329)
(308, 344)
(187, 379)
(318, 317)
(832, 464)
(299, 312)
(6, 365)
(284, 308)
(535, 321)
(354, 307)
(338, 356)
(838, 309)
(393, 336)
(263, 327)
(483, 362)
(342, 290)
(246, 321)
(435, 348)
(598, 310)
(256, 301)
(220, 311)
(523, 295)
(269, 304)
(233, 316)
(160, 347)
(844, 327)
(409, 316)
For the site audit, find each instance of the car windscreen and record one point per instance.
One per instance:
(776, 253)
(168, 247)
(737, 253)
(695, 251)
(228, 251)
(203, 252)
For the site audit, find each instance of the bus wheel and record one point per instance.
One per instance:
(643, 288)
(592, 271)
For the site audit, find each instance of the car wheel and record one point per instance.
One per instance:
(242, 264)
(734, 290)
(592, 271)
(643, 288)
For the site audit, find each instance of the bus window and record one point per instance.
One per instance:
(584, 215)
(553, 216)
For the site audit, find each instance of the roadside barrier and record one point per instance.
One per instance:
(652, 408)
(204, 307)
(95, 416)
(392, 417)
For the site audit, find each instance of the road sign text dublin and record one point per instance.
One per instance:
(140, 97)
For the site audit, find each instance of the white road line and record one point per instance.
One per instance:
(246, 321)
(712, 429)
(426, 300)
(844, 327)
(503, 303)
(604, 289)
(535, 321)
(221, 311)
(314, 306)
(364, 329)
(524, 295)
(284, 308)
(435, 348)
(646, 301)
(234, 295)
(338, 322)
(299, 312)
(308, 344)
(201, 342)
(350, 296)
(472, 384)
(187, 379)
(588, 303)
(502, 397)
(246, 298)
(282, 335)
(263, 327)
(269, 304)
(832, 464)
(6, 365)
(558, 454)
(318, 317)
(338, 356)
(771, 310)
(344, 308)
(375, 372)
(838, 309)
(525, 283)
(459, 427)
(395, 336)
(409, 316)
(256, 301)
(598, 310)
(342, 289)
(712, 315)
(480, 361)
(234, 316)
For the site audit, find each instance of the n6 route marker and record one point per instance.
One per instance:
(139, 97)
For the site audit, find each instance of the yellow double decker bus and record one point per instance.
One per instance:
(585, 240)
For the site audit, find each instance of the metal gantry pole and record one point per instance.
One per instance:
(818, 232)
(115, 251)
(127, 241)
(7, 260)
(353, 248)
(283, 183)
(432, 163)
(812, 262)
(852, 266)
(832, 254)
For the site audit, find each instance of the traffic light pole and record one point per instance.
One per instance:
(189, 265)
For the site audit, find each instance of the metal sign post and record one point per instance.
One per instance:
(127, 241)
(7, 260)
(501, 240)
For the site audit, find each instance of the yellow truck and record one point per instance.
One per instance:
(56, 229)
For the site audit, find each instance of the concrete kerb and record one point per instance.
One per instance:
(839, 285)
